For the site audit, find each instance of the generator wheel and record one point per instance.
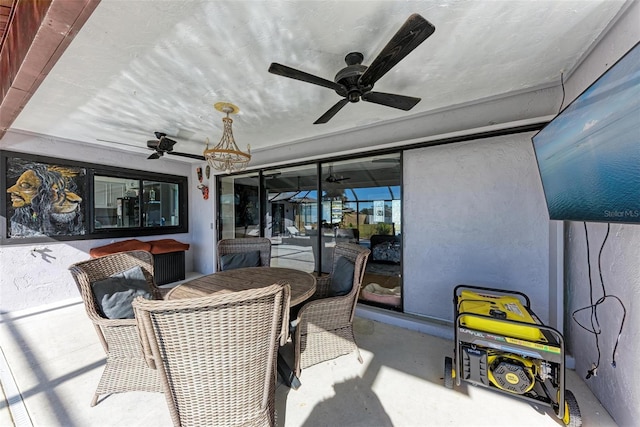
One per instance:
(572, 415)
(448, 372)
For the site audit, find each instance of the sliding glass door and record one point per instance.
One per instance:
(306, 210)
(239, 203)
(292, 216)
(362, 203)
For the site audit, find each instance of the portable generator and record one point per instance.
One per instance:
(502, 345)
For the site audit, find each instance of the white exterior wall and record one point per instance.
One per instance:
(474, 214)
(618, 389)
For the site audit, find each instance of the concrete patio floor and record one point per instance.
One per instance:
(52, 361)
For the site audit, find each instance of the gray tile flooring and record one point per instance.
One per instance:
(54, 358)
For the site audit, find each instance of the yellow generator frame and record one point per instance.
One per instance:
(501, 344)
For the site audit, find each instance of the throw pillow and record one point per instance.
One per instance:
(115, 294)
(342, 277)
(240, 260)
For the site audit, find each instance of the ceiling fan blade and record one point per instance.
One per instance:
(332, 111)
(189, 155)
(414, 31)
(154, 156)
(292, 73)
(401, 102)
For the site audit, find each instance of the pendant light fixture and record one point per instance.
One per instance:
(226, 156)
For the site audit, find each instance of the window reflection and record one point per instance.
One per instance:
(118, 201)
(364, 202)
(291, 220)
(161, 204)
(239, 206)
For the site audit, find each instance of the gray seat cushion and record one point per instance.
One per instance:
(115, 294)
(240, 260)
(341, 277)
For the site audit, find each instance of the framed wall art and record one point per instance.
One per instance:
(43, 198)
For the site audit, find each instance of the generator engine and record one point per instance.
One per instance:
(507, 371)
(511, 373)
(502, 345)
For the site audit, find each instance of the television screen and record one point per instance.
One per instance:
(589, 154)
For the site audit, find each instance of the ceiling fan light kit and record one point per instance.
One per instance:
(226, 156)
(355, 81)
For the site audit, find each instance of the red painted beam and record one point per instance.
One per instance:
(38, 34)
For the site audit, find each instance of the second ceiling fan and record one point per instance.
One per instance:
(355, 81)
(332, 178)
(164, 145)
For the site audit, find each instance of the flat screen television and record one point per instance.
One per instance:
(589, 154)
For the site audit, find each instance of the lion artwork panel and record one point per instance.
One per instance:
(44, 199)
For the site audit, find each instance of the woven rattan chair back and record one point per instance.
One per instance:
(325, 325)
(217, 355)
(126, 369)
(246, 244)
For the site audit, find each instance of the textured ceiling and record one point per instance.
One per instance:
(142, 66)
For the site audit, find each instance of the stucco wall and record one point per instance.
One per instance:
(617, 388)
(475, 214)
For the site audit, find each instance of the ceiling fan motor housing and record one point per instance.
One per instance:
(166, 144)
(349, 78)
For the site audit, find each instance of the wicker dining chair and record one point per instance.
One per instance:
(243, 245)
(217, 355)
(126, 368)
(324, 327)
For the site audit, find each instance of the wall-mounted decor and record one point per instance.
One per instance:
(44, 199)
(205, 191)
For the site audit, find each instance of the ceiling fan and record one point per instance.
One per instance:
(163, 145)
(334, 178)
(355, 81)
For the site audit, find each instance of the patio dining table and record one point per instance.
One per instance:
(303, 286)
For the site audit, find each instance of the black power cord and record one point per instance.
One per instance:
(563, 92)
(593, 306)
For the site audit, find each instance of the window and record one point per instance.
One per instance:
(47, 197)
(116, 202)
(135, 203)
(161, 204)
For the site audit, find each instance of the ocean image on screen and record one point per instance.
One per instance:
(589, 155)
